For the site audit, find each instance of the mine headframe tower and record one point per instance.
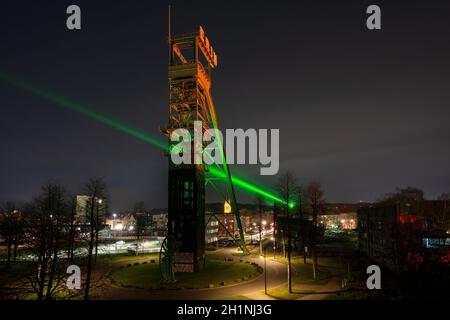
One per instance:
(191, 61)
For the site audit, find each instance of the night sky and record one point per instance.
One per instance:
(362, 111)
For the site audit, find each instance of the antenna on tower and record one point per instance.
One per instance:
(169, 25)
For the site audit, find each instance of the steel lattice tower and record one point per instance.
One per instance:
(191, 61)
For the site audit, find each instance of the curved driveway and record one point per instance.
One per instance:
(276, 276)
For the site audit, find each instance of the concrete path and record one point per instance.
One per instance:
(253, 289)
(276, 275)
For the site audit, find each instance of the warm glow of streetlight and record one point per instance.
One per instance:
(264, 222)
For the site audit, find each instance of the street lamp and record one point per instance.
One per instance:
(273, 240)
(114, 223)
(265, 271)
(261, 223)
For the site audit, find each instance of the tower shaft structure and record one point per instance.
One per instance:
(191, 59)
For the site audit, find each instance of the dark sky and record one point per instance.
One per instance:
(362, 111)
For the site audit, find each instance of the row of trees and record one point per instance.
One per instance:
(307, 203)
(412, 200)
(11, 229)
(46, 228)
(299, 201)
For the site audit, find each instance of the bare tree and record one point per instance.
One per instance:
(300, 212)
(71, 226)
(139, 217)
(95, 189)
(316, 202)
(11, 228)
(259, 202)
(47, 217)
(445, 197)
(139, 207)
(409, 199)
(287, 188)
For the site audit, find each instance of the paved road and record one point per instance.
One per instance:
(276, 276)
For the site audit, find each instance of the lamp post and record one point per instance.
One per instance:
(264, 223)
(273, 240)
(261, 223)
(265, 271)
(251, 234)
(114, 224)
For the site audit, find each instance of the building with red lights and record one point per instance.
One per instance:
(401, 241)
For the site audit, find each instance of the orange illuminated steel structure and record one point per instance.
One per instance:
(191, 60)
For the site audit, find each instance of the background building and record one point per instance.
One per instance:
(83, 204)
(343, 221)
(159, 223)
(212, 232)
(401, 241)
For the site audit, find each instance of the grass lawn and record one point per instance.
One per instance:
(124, 257)
(303, 273)
(214, 273)
(354, 294)
(282, 293)
(16, 271)
(15, 284)
(237, 298)
(239, 254)
(60, 294)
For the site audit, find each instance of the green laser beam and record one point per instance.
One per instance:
(60, 101)
(120, 126)
(245, 185)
